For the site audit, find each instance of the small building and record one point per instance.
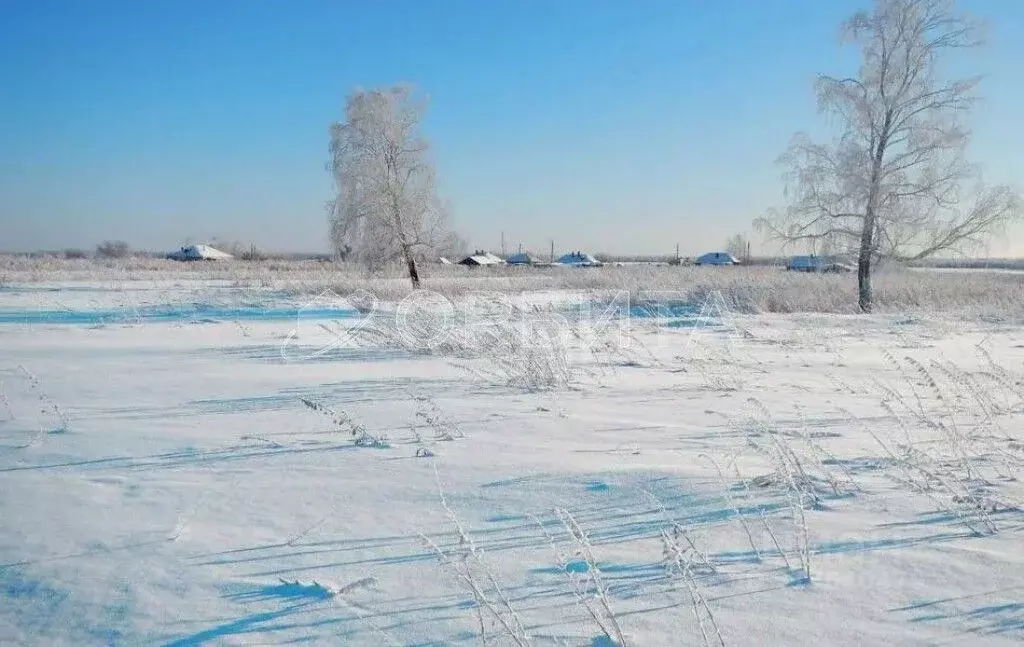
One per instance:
(522, 258)
(481, 259)
(814, 263)
(716, 258)
(810, 263)
(578, 259)
(199, 253)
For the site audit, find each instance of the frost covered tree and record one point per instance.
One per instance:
(452, 246)
(112, 249)
(386, 206)
(893, 183)
(737, 246)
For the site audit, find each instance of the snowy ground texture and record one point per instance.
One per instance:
(197, 474)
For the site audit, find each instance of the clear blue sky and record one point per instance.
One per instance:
(606, 125)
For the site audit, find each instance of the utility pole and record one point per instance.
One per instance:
(503, 254)
(677, 253)
(552, 250)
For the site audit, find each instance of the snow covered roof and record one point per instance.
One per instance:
(482, 258)
(522, 258)
(717, 258)
(578, 258)
(199, 252)
(806, 262)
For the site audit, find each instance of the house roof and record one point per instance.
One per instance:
(479, 259)
(718, 255)
(211, 252)
(200, 252)
(522, 258)
(577, 258)
(482, 258)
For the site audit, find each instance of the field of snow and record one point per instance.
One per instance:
(197, 464)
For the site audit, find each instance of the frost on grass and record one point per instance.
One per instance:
(466, 564)
(801, 466)
(528, 351)
(429, 416)
(588, 586)
(347, 424)
(952, 446)
(754, 289)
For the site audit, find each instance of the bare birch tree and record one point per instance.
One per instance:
(386, 206)
(737, 246)
(892, 183)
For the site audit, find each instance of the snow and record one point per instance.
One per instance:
(522, 258)
(581, 259)
(716, 258)
(162, 481)
(199, 252)
(482, 258)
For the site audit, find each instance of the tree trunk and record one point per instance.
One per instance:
(867, 235)
(410, 262)
(864, 262)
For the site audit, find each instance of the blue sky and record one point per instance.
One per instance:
(605, 125)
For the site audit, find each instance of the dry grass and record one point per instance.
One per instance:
(744, 289)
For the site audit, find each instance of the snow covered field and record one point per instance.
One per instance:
(192, 464)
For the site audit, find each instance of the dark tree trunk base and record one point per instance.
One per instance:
(414, 276)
